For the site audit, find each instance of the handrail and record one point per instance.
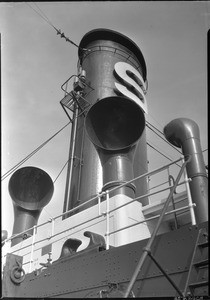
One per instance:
(156, 186)
(152, 218)
(99, 213)
(107, 220)
(146, 174)
(143, 196)
(147, 249)
(96, 197)
(104, 214)
(112, 232)
(170, 177)
(120, 52)
(61, 232)
(32, 248)
(118, 187)
(192, 213)
(65, 91)
(108, 211)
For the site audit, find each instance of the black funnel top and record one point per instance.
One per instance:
(107, 34)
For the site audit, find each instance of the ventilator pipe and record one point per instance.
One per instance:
(114, 125)
(184, 133)
(30, 189)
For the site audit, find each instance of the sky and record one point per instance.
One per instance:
(35, 62)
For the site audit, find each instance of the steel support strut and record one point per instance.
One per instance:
(147, 249)
(165, 274)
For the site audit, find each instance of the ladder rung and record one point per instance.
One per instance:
(203, 245)
(201, 263)
(198, 284)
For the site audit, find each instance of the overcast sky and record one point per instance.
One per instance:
(36, 62)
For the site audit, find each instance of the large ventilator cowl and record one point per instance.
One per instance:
(115, 125)
(184, 133)
(30, 189)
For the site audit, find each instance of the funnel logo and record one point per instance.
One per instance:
(133, 85)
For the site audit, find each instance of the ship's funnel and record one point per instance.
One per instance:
(114, 125)
(30, 189)
(184, 133)
(114, 66)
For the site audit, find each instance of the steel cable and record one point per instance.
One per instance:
(46, 19)
(31, 154)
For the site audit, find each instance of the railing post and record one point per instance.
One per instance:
(99, 204)
(107, 220)
(189, 198)
(32, 247)
(148, 186)
(170, 177)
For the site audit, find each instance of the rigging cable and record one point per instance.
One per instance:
(164, 139)
(157, 122)
(46, 19)
(155, 128)
(161, 136)
(61, 171)
(31, 154)
(42, 14)
(167, 143)
(161, 153)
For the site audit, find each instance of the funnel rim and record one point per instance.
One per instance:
(108, 34)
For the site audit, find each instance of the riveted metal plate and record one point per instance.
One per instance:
(84, 273)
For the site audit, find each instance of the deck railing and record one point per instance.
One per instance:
(106, 214)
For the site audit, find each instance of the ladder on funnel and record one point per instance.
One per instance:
(197, 280)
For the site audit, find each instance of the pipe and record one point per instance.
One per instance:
(30, 189)
(70, 162)
(184, 133)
